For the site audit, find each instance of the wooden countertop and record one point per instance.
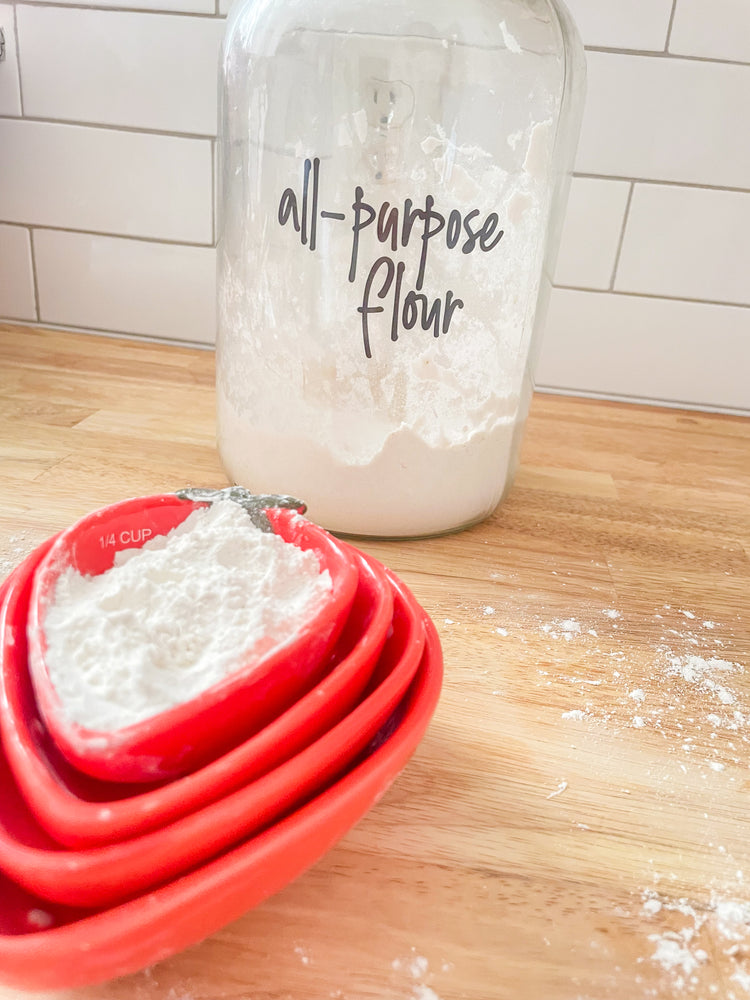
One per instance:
(574, 825)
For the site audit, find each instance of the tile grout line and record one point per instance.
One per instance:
(654, 296)
(661, 54)
(620, 242)
(34, 275)
(669, 27)
(213, 190)
(107, 127)
(672, 404)
(206, 15)
(662, 183)
(18, 59)
(146, 338)
(160, 241)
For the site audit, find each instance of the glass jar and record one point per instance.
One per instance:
(391, 184)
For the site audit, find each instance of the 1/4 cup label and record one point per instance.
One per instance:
(128, 536)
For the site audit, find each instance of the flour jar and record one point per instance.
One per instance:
(392, 177)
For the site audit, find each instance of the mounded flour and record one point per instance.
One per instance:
(172, 618)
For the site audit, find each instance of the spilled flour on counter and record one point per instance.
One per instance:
(687, 693)
(694, 934)
(176, 616)
(687, 686)
(672, 683)
(704, 673)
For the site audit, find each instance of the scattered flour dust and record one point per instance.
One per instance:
(566, 629)
(174, 617)
(682, 951)
(39, 919)
(13, 551)
(693, 693)
(576, 713)
(417, 968)
(561, 787)
(687, 685)
(302, 954)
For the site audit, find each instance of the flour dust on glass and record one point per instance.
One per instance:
(392, 178)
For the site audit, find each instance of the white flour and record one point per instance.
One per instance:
(171, 619)
(720, 925)
(447, 485)
(418, 968)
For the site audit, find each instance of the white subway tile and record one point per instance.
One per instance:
(153, 71)
(72, 177)
(591, 234)
(716, 30)
(662, 118)
(16, 274)
(622, 24)
(130, 286)
(689, 243)
(10, 89)
(169, 6)
(652, 349)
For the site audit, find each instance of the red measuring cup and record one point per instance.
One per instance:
(188, 735)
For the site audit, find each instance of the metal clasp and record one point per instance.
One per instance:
(254, 504)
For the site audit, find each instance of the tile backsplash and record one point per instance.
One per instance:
(170, 85)
(107, 135)
(104, 180)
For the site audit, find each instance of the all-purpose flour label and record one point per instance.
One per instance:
(176, 616)
(397, 228)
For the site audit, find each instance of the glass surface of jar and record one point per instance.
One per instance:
(392, 178)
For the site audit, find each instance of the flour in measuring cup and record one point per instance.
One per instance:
(176, 616)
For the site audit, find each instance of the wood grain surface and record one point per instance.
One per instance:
(574, 825)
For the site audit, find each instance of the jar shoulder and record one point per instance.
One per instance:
(536, 27)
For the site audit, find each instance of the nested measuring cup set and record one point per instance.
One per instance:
(119, 848)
